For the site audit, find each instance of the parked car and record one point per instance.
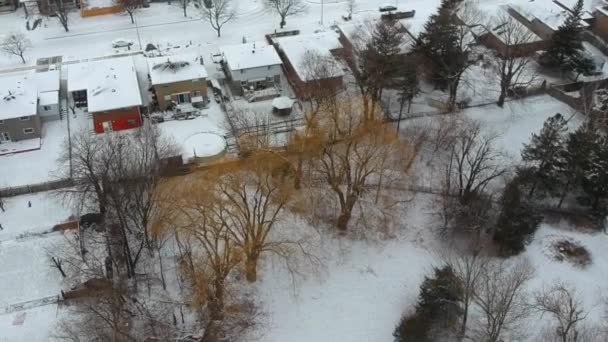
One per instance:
(120, 42)
(387, 8)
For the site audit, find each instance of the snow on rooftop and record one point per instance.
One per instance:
(48, 98)
(282, 102)
(358, 32)
(110, 83)
(250, 55)
(170, 69)
(47, 81)
(524, 34)
(546, 11)
(298, 48)
(18, 97)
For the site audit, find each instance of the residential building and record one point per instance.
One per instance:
(600, 21)
(109, 90)
(180, 79)
(19, 119)
(511, 38)
(310, 62)
(544, 17)
(48, 94)
(355, 34)
(251, 66)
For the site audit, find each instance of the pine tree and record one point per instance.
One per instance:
(438, 307)
(565, 49)
(439, 42)
(408, 86)
(575, 160)
(543, 153)
(594, 181)
(517, 222)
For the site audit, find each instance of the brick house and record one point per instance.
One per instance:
(109, 90)
(523, 41)
(180, 79)
(310, 62)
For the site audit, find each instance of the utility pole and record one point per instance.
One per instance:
(137, 31)
(322, 3)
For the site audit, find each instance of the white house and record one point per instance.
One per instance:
(48, 94)
(254, 65)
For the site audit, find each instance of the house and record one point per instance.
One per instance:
(180, 79)
(544, 17)
(48, 94)
(511, 38)
(109, 90)
(251, 66)
(19, 119)
(356, 33)
(600, 20)
(310, 62)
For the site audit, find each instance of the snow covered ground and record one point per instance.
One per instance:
(35, 166)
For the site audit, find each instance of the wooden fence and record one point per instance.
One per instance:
(33, 188)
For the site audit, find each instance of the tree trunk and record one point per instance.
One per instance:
(251, 268)
(185, 7)
(22, 59)
(219, 32)
(131, 15)
(297, 179)
(283, 23)
(162, 270)
(501, 98)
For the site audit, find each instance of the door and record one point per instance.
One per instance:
(183, 98)
(107, 126)
(4, 137)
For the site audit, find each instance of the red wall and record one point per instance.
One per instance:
(124, 118)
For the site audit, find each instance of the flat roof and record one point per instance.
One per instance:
(18, 97)
(110, 83)
(47, 80)
(177, 68)
(250, 55)
(48, 98)
(547, 11)
(359, 32)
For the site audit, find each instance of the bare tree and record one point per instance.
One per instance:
(354, 149)
(286, 8)
(62, 13)
(512, 65)
(561, 302)
(130, 6)
(16, 43)
(468, 266)
(220, 12)
(501, 297)
(2, 203)
(184, 5)
(474, 162)
(317, 69)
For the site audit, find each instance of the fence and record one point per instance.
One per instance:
(33, 188)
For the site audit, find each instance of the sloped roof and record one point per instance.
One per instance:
(178, 68)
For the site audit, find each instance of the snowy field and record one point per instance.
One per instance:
(363, 287)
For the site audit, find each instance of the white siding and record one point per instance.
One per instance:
(256, 73)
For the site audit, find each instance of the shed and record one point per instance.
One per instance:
(282, 105)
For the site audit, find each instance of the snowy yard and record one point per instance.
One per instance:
(35, 166)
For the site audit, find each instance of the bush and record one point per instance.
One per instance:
(437, 311)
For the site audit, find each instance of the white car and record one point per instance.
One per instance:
(118, 43)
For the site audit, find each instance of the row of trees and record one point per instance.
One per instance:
(497, 291)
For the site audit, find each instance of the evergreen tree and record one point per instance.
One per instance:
(440, 42)
(438, 308)
(408, 86)
(566, 46)
(575, 161)
(517, 222)
(543, 153)
(594, 181)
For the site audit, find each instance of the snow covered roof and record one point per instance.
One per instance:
(282, 102)
(546, 11)
(47, 81)
(520, 32)
(250, 55)
(297, 48)
(110, 83)
(18, 97)
(357, 32)
(170, 69)
(48, 98)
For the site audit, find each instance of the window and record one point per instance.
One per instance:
(1, 122)
(242, 71)
(167, 97)
(269, 67)
(46, 108)
(28, 131)
(196, 93)
(24, 118)
(243, 83)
